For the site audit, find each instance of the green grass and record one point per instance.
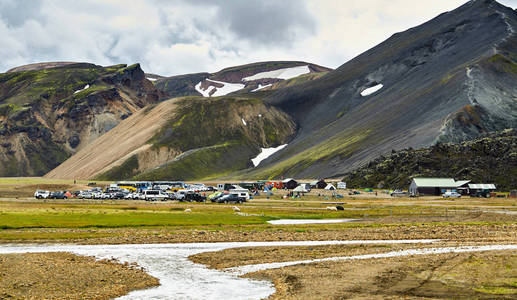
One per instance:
(60, 219)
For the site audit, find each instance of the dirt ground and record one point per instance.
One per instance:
(67, 276)
(482, 275)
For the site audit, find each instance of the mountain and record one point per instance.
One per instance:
(450, 79)
(239, 79)
(49, 111)
(491, 158)
(182, 138)
(196, 137)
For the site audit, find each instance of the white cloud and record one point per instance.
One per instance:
(179, 36)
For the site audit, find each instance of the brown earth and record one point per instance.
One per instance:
(485, 233)
(486, 275)
(67, 276)
(113, 148)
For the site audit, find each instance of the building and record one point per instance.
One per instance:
(434, 186)
(318, 184)
(289, 183)
(481, 189)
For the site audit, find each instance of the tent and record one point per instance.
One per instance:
(330, 187)
(300, 189)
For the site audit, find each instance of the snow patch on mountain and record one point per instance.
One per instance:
(371, 90)
(224, 90)
(285, 74)
(265, 153)
(84, 88)
(261, 87)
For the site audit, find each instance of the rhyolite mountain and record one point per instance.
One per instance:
(49, 111)
(195, 134)
(451, 79)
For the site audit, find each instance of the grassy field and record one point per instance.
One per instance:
(377, 216)
(23, 218)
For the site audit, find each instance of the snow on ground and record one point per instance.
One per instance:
(371, 90)
(261, 87)
(260, 267)
(179, 277)
(84, 88)
(226, 89)
(152, 79)
(309, 221)
(244, 122)
(286, 73)
(265, 153)
(205, 93)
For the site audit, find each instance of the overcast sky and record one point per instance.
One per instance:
(171, 37)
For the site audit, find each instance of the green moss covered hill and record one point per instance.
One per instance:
(50, 111)
(208, 138)
(490, 159)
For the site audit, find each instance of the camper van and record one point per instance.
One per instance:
(155, 195)
(241, 192)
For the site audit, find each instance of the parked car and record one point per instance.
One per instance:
(230, 198)
(398, 193)
(41, 194)
(118, 195)
(180, 195)
(57, 195)
(85, 195)
(192, 196)
(451, 195)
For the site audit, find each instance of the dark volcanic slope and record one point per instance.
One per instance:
(491, 159)
(47, 114)
(450, 79)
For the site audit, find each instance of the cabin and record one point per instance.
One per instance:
(318, 184)
(289, 183)
(433, 186)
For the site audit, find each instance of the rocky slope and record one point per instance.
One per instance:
(490, 159)
(50, 111)
(453, 78)
(239, 79)
(180, 139)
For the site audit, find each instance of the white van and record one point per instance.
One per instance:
(155, 195)
(243, 193)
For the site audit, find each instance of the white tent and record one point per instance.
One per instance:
(300, 189)
(330, 187)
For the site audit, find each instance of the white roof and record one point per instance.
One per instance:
(462, 182)
(482, 186)
(435, 182)
(287, 180)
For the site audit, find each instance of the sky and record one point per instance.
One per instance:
(171, 37)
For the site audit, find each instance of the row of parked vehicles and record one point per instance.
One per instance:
(148, 195)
